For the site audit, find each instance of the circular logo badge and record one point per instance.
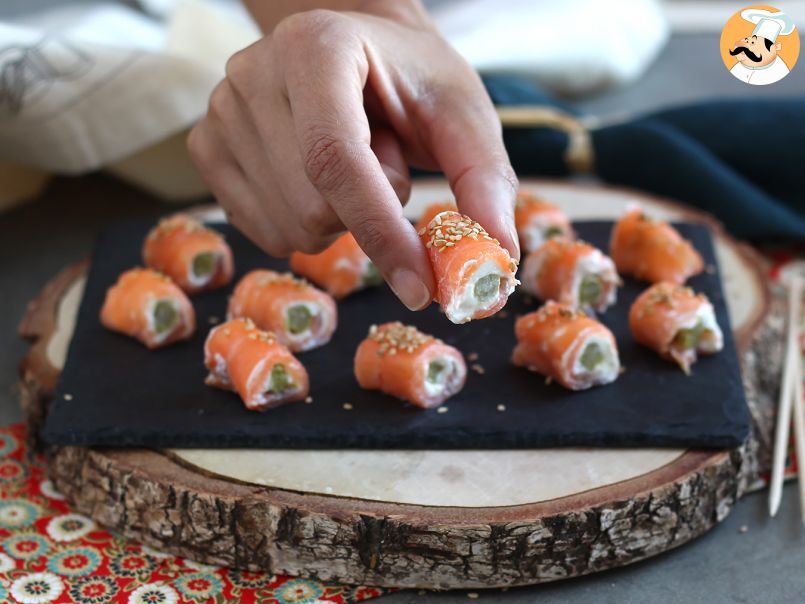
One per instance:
(760, 45)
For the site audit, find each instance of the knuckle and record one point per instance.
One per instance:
(238, 66)
(371, 234)
(220, 103)
(320, 220)
(197, 147)
(325, 158)
(306, 27)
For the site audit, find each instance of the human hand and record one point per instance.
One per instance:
(314, 127)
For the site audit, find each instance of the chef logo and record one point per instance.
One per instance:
(760, 45)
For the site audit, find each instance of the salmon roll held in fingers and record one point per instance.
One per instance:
(146, 305)
(253, 363)
(571, 272)
(566, 345)
(197, 258)
(474, 274)
(341, 269)
(538, 221)
(652, 250)
(402, 361)
(675, 322)
(431, 211)
(301, 316)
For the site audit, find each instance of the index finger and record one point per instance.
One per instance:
(333, 133)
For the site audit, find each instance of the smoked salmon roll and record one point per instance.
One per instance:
(537, 221)
(431, 211)
(341, 269)
(652, 250)
(474, 273)
(252, 362)
(196, 257)
(146, 305)
(573, 273)
(566, 345)
(675, 322)
(402, 361)
(301, 316)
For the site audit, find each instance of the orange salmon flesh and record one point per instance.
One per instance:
(146, 305)
(252, 362)
(195, 257)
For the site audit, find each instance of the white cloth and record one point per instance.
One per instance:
(89, 86)
(760, 76)
(572, 47)
(83, 87)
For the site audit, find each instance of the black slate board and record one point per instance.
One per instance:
(125, 395)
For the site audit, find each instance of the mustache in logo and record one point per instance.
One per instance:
(752, 56)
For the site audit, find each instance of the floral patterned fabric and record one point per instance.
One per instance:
(50, 554)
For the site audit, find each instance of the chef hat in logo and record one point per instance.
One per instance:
(769, 25)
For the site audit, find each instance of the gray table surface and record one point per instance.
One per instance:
(748, 558)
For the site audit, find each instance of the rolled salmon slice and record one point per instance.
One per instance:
(402, 361)
(342, 269)
(474, 274)
(567, 346)
(252, 362)
(196, 257)
(573, 273)
(652, 250)
(675, 322)
(301, 316)
(538, 221)
(146, 305)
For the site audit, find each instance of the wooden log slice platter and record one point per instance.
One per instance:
(434, 519)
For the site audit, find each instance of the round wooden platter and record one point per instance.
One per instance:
(434, 519)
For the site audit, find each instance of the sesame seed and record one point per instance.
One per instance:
(308, 400)
(347, 406)
(501, 407)
(473, 356)
(743, 529)
(477, 369)
(213, 320)
(394, 338)
(441, 409)
(472, 595)
(68, 397)
(548, 380)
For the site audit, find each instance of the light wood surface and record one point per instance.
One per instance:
(433, 519)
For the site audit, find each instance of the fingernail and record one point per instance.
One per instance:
(515, 239)
(409, 289)
(400, 184)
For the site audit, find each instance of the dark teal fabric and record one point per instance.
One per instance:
(742, 161)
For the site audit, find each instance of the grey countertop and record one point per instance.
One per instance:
(748, 558)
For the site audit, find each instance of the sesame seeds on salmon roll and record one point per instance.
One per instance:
(254, 364)
(676, 322)
(432, 210)
(538, 221)
(567, 346)
(149, 307)
(194, 256)
(573, 273)
(301, 316)
(652, 250)
(474, 274)
(341, 270)
(402, 361)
